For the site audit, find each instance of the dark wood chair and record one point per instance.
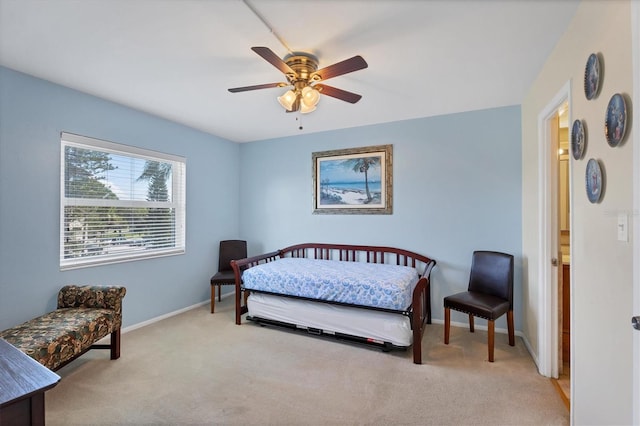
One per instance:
(489, 295)
(229, 250)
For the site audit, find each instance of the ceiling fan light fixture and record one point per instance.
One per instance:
(310, 96)
(305, 109)
(287, 99)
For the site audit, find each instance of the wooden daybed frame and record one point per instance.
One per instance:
(419, 312)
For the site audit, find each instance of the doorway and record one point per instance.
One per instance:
(549, 262)
(559, 129)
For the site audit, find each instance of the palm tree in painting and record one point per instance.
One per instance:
(362, 165)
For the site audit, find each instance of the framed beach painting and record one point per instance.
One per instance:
(353, 181)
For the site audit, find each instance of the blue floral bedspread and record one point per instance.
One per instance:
(359, 283)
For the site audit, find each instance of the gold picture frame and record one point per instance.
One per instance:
(353, 180)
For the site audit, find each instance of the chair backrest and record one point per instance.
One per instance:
(492, 273)
(231, 250)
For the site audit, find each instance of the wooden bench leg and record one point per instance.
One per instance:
(115, 344)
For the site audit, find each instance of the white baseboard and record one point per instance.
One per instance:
(106, 339)
(477, 327)
(171, 314)
(161, 317)
(530, 350)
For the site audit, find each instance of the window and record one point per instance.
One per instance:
(118, 203)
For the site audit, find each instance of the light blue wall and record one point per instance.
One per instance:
(33, 112)
(456, 188)
(456, 178)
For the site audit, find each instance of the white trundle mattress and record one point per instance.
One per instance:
(376, 326)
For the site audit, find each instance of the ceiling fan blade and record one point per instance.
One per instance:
(268, 55)
(343, 95)
(257, 86)
(344, 67)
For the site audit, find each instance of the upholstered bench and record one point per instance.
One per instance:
(85, 315)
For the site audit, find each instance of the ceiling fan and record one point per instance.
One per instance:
(301, 71)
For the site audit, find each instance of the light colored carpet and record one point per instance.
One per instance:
(198, 369)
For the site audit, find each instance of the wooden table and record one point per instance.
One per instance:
(23, 382)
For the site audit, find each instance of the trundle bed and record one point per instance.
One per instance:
(378, 296)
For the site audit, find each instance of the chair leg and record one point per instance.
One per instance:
(512, 339)
(471, 325)
(219, 293)
(447, 325)
(492, 330)
(213, 297)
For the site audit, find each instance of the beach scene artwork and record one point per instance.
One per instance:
(351, 181)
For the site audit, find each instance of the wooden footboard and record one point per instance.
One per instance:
(239, 266)
(420, 310)
(420, 315)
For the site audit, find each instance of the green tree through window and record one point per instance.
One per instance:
(107, 215)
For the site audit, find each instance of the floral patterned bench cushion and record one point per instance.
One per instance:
(63, 334)
(85, 315)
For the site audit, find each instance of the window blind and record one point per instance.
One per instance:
(119, 203)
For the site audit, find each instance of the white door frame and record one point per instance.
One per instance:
(548, 328)
(635, 47)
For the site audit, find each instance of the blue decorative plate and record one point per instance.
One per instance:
(594, 181)
(615, 122)
(592, 76)
(578, 139)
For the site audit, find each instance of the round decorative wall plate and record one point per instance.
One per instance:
(592, 76)
(615, 122)
(593, 180)
(578, 139)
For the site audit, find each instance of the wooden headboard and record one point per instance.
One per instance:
(356, 253)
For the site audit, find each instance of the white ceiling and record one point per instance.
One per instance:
(177, 58)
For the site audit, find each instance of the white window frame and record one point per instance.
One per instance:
(177, 202)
